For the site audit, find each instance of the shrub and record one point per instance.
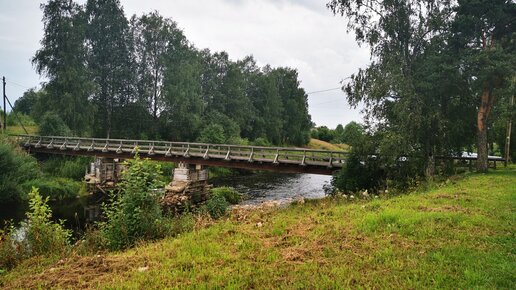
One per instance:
(216, 206)
(67, 167)
(42, 235)
(9, 255)
(359, 174)
(134, 212)
(55, 188)
(16, 167)
(228, 193)
(52, 125)
(213, 133)
(260, 141)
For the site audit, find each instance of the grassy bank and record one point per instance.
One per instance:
(460, 235)
(322, 145)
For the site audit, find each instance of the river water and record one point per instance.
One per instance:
(255, 188)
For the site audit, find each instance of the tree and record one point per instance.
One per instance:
(62, 59)
(26, 103)
(296, 120)
(353, 133)
(181, 118)
(153, 36)
(17, 168)
(111, 67)
(400, 89)
(52, 125)
(484, 42)
(135, 212)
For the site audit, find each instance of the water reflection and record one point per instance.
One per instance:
(261, 187)
(256, 188)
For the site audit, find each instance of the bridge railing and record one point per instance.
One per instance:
(274, 155)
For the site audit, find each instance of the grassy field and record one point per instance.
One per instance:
(19, 130)
(460, 235)
(319, 144)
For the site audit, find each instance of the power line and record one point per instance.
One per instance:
(17, 84)
(322, 91)
(327, 102)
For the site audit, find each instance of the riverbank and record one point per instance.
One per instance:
(460, 235)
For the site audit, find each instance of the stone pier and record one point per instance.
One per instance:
(189, 187)
(104, 174)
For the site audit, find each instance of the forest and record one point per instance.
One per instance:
(140, 77)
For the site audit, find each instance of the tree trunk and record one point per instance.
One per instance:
(430, 166)
(483, 112)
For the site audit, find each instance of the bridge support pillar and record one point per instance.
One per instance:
(104, 174)
(188, 188)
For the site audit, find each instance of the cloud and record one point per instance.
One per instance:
(298, 33)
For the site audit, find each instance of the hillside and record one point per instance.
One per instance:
(460, 235)
(319, 144)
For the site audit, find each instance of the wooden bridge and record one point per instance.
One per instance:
(280, 159)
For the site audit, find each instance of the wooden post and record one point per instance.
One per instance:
(4, 125)
(508, 138)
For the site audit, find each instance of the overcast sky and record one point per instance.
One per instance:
(301, 34)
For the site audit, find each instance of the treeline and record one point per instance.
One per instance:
(109, 76)
(439, 82)
(350, 134)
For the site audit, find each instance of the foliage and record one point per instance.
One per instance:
(17, 167)
(360, 173)
(9, 256)
(25, 104)
(134, 212)
(229, 194)
(110, 76)
(54, 188)
(429, 65)
(352, 134)
(66, 167)
(482, 40)
(322, 133)
(260, 141)
(213, 133)
(62, 59)
(421, 240)
(15, 118)
(43, 236)
(216, 206)
(52, 125)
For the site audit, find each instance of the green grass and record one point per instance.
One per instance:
(322, 145)
(457, 236)
(19, 130)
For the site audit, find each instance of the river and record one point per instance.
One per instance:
(255, 188)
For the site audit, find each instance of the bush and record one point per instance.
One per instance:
(16, 167)
(55, 188)
(359, 173)
(9, 255)
(43, 236)
(67, 167)
(228, 193)
(52, 125)
(213, 133)
(14, 119)
(134, 212)
(216, 206)
(260, 141)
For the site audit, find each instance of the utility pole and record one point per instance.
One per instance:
(509, 130)
(5, 107)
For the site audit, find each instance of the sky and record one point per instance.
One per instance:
(301, 34)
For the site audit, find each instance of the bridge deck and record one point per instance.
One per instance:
(233, 156)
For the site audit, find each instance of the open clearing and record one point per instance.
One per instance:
(460, 235)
